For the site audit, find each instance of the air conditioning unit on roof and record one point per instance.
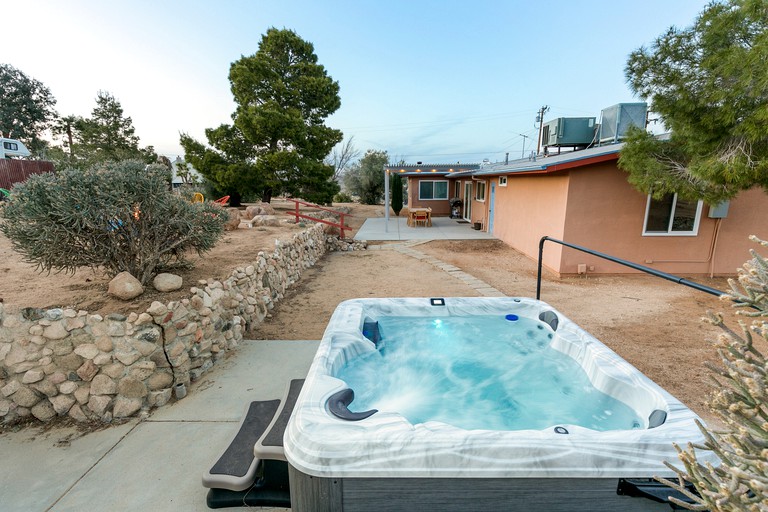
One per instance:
(569, 131)
(616, 121)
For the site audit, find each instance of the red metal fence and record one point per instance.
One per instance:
(298, 215)
(16, 171)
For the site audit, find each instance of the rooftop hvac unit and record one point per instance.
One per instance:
(616, 120)
(569, 131)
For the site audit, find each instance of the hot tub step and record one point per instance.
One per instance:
(252, 471)
(270, 445)
(236, 468)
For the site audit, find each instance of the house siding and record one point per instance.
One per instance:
(589, 202)
(606, 213)
(531, 207)
(440, 207)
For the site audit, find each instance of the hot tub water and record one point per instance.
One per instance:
(495, 372)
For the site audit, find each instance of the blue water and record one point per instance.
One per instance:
(479, 372)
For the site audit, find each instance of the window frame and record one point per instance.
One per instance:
(669, 232)
(481, 186)
(433, 198)
(502, 181)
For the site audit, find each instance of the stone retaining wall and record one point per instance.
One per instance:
(60, 362)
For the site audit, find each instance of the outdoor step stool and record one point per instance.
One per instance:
(253, 470)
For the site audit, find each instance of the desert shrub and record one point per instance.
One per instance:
(342, 197)
(115, 217)
(740, 482)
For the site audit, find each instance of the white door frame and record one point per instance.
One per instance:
(467, 213)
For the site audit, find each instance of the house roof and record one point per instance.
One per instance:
(552, 163)
(524, 166)
(435, 169)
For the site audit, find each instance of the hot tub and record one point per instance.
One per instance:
(353, 458)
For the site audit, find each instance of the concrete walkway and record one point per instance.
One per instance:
(442, 228)
(156, 463)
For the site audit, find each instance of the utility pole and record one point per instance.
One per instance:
(524, 137)
(540, 119)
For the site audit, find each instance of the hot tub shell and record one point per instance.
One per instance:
(386, 451)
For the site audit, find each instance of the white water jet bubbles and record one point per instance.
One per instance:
(478, 372)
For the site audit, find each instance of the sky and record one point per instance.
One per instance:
(426, 80)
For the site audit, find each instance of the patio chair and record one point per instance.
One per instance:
(420, 217)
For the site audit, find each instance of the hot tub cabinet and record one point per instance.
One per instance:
(313, 494)
(382, 462)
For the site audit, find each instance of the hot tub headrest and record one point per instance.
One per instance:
(657, 418)
(371, 330)
(549, 317)
(338, 404)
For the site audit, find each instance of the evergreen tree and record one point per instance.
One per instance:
(278, 140)
(709, 84)
(109, 136)
(397, 194)
(26, 108)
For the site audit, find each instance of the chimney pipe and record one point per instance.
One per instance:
(506, 159)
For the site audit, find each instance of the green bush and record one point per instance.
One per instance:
(740, 481)
(115, 217)
(342, 197)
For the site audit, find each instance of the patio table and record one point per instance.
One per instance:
(414, 211)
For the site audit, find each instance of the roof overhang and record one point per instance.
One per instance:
(564, 166)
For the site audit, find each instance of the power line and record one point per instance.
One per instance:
(465, 119)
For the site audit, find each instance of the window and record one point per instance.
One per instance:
(457, 189)
(433, 189)
(502, 181)
(12, 146)
(671, 215)
(480, 191)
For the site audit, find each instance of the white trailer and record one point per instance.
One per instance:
(12, 148)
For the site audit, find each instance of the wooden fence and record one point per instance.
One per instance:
(341, 225)
(16, 171)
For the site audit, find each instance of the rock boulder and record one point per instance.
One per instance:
(166, 282)
(124, 286)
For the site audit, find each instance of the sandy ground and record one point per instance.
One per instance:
(21, 284)
(653, 324)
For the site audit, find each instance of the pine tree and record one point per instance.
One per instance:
(709, 85)
(397, 194)
(109, 136)
(278, 141)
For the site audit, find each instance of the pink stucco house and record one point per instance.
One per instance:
(582, 197)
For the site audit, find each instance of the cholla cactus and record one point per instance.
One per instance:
(740, 482)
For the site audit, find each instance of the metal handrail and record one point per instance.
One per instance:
(647, 270)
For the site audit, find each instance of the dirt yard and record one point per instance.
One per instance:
(653, 324)
(21, 285)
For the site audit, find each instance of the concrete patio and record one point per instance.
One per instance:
(443, 228)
